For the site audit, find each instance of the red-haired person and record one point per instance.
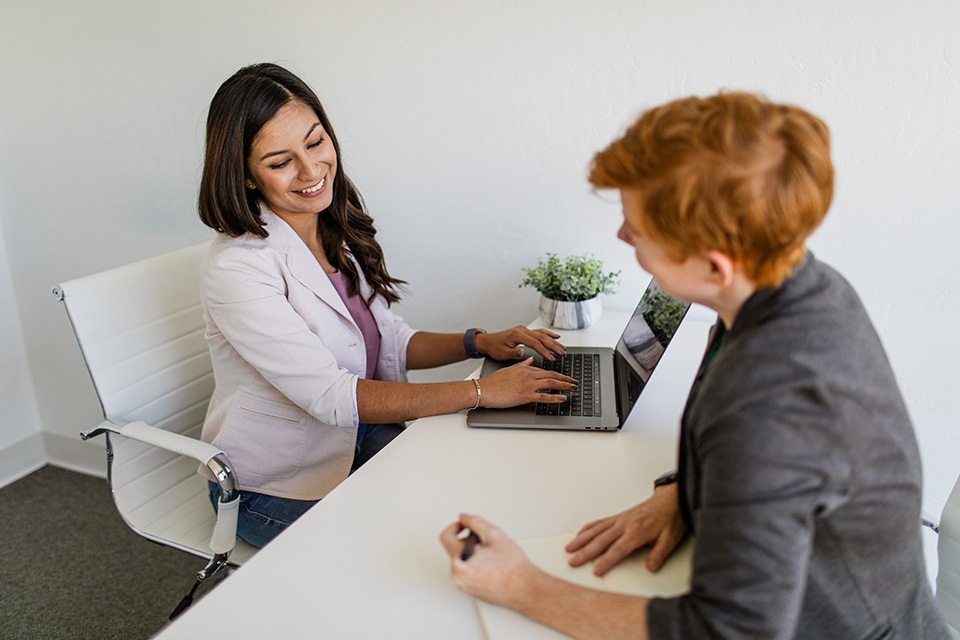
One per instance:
(798, 471)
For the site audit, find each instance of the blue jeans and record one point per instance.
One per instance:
(263, 517)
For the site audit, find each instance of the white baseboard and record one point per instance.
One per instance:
(21, 458)
(28, 455)
(70, 452)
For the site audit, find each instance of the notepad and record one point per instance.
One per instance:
(629, 576)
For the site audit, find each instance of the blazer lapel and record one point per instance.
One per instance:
(303, 266)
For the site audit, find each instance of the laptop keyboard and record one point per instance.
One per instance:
(582, 367)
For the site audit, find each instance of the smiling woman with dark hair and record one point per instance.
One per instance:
(308, 359)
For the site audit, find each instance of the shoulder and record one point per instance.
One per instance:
(815, 293)
(237, 263)
(813, 325)
(804, 373)
(791, 345)
(247, 250)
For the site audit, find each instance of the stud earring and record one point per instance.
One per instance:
(250, 185)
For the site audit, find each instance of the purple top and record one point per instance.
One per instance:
(364, 318)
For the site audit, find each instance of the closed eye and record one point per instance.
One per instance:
(315, 145)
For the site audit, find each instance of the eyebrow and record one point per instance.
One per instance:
(277, 153)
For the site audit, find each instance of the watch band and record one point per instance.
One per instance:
(665, 479)
(470, 343)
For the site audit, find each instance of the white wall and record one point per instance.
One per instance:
(21, 444)
(468, 128)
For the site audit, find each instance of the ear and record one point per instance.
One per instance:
(722, 267)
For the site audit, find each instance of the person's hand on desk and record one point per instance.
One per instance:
(505, 345)
(498, 571)
(655, 522)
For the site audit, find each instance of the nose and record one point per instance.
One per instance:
(310, 169)
(624, 234)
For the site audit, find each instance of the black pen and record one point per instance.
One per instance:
(469, 543)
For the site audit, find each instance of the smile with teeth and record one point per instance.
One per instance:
(313, 189)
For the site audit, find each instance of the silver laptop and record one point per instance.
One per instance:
(611, 379)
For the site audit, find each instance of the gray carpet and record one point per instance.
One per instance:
(70, 567)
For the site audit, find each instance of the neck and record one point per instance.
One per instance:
(305, 226)
(732, 298)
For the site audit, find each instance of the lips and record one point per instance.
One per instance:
(318, 187)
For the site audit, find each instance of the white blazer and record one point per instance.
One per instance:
(286, 359)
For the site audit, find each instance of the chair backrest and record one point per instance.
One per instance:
(140, 329)
(948, 555)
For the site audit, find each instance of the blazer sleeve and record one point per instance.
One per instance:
(245, 294)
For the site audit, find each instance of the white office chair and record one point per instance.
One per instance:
(948, 561)
(140, 331)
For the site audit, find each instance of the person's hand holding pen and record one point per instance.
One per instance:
(486, 563)
(470, 541)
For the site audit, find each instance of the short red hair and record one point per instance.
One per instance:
(732, 172)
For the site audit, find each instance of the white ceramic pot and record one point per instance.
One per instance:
(570, 315)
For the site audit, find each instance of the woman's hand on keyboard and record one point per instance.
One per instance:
(505, 345)
(523, 383)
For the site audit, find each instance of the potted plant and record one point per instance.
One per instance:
(569, 289)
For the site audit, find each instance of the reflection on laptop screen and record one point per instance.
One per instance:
(646, 337)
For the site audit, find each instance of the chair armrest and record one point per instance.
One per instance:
(224, 534)
(929, 523)
(184, 445)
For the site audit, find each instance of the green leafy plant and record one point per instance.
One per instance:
(574, 279)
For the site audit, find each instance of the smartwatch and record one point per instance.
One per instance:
(665, 479)
(470, 343)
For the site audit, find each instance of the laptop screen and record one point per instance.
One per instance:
(644, 341)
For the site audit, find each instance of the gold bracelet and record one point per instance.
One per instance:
(479, 395)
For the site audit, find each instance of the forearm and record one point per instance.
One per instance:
(426, 350)
(385, 402)
(584, 613)
(436, 349)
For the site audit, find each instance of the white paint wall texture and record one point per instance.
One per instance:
(468, 128)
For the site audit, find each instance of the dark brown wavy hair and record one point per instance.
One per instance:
(241, 107)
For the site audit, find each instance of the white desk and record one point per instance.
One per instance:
(366, 561)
